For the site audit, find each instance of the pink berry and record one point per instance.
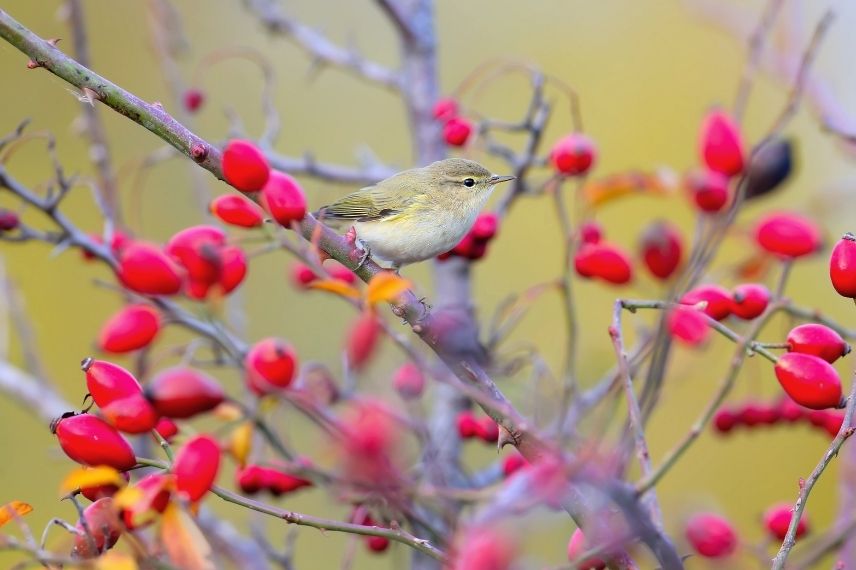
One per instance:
(711, 536)
(573, 154)
(457, 131)
(409, 381)
(810, 381)
(591, 232)
(777, 519)
(603, 261)
(721, 145)
(577, 547)
(661, 249)
(818, 340)
(245, 166)
(718, 300)
(193, 99)
(842, 266)
(709, 190)
(445, 109)
(749, 300)
(283, 198)
(787, 235)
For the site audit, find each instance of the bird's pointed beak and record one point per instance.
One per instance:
(496, 179)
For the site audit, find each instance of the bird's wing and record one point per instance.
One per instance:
(371, 203)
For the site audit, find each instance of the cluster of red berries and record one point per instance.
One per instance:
(456, 128)
(688, 323)
(474, 245)
(722, 152)
(483, 428)
(784, 411)
(253, 479)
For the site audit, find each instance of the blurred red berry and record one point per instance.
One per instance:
(576, 548)
(166, 428)
(720, 144)
(118, 242)
(749, 300)
(661, 248)
(832, 423)
(8, 220)
(133, 414)
(790, 411)
(512, 463)
(236, 210)
(445, 109)
(787, 235)
(488, 430)
(409, 381)
(144, 268)
(234, 268)
(155, 491)
(708, 190)
(377, 543)
(193, 99)
(468, 425)
(362, 340)
(717, 299)
(181, 392)
(724, 420)
(245, 166)
(688, 326)
(195, 467)
(101, 531)
(457, 131)
(842, 266)
(89, 440)
(711, 536)
(302, 275)
(283, 198)
(270, 365)
(818, 340)
(132, 328)
(603, 261)
(591, 232)
(483, 548)
(777, 519)
(809, 381)
(573, 154)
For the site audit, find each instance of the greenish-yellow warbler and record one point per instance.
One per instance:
(419, 213)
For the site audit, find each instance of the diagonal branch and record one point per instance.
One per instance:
(319, 47)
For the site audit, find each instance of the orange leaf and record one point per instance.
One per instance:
(336, 287)
(661, 182)
(90, 477)
(386, 286)
(13, 509)
(128, 497)
(241, 442)
(115, 561)
(184, 542)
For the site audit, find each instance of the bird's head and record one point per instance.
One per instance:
(463, 176)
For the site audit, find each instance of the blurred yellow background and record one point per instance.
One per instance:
(646, 73)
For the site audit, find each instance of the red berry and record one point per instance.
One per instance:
(195, 467)
(688, 325)
(591, 232)
(249, 479)
(234, 268)
(155, 489)
(573, 154)
(182, 392)
(236, 210)
(270, 365)
(101, 491)
(283, 198)
(108, 382)
(8, 220)
(724, 420)
(409, 381)
(133, 414)
(484, 548)
(166, 428)
(810, 381)
(749, 300)
(513, 463)
(842, 266)
(468, 425)
(244, 166)
(750, 415)
(787, 235)
(104, 527)
(711, 536)
(832, 423)
(197, 249)
(661, 249)
(818, 340)
(280, 483)
(445, 109)
(603, 261)
(193, 99)
(709, 190)
(721, 145)
(485, 226)
(488, 430)
(377, 543)
(790, 411)
(132, 328)
(718, 300)
(145, 269)
(577, 547)
(817, 418)
(457, 131)
(363, 339)
(777, 519)
(89, 440)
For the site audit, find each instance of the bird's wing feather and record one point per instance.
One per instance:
(373, 202)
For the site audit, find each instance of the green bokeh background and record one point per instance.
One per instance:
(646, 73)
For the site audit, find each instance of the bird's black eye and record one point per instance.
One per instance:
(469, 182)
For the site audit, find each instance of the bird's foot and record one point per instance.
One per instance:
(366, 254)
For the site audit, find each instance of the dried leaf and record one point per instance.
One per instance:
(386, 286)
(228, 412)
(115, 561)
(661, 182)
(13, 509)
(184, 542)
(336, 287)
(90, 477)
(241, 442)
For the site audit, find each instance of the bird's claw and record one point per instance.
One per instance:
(363, 258)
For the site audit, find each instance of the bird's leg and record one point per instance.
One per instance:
(396, 267)
(366, 253)
(353, 240)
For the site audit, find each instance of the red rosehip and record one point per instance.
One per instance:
(718, 300)
(197, 249)
(711, 536)
(363, 340)
(108, 382)
(236, 210)
(591, 232)
(182, 392)
(104, 527)
(790, 411)
(720, 144)
(377, 543)
(513, 463)
(603, 261)
(777, 519)
(245, 166)
(132, 328)
(133, 414)
(302, 275)
(484, 548)
(234, 268)
(485, 226)
(445, 109)
(750, 414)
(468, 425)
(576, 548)
(817, 418)
(270, 365)
(89, 440)
(249, 479)
(193, 99)
(809, 381)
(787, 235)
(708, 190)
(487, 430)
(724, 420)
(457, 131)
(155, 489)
(409, 381)
(749, 300)
(101, 491)
(842, 266)
(832, 423)
(688, 326)
(145, 269)
(8, 220)
(166, 428)
(279, 483)
(195, 467)
(818, 340)
(661, 249)
(573, 154)
(283, 198)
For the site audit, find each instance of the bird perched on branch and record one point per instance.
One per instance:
(416, 214)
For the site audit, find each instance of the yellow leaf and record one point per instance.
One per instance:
(90, 477)
(661, 182)
(128, 497)
(115, 561)
(336, 287)
(241, 442)
(184, 542)
(13, 509)
(386, 286)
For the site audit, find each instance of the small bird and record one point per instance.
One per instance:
(416, 214)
